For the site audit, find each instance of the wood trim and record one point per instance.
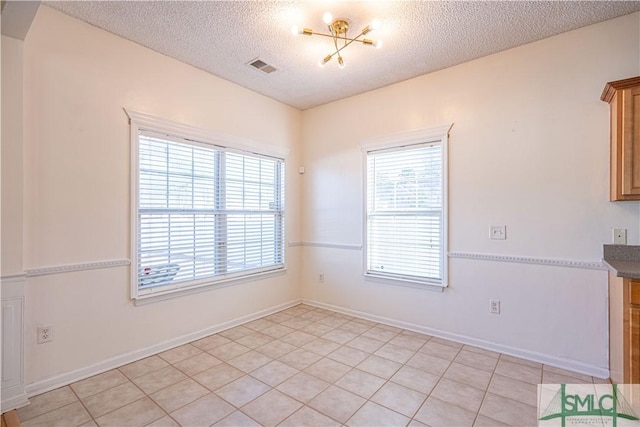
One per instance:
(611, 87)
(10, 419)
(634, 350)
(626, 330)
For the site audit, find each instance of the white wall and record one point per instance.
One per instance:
(529, 150)
(77, 80)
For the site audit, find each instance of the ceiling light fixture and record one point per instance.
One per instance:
(338, 29)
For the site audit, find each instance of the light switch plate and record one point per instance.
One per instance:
(498, 232)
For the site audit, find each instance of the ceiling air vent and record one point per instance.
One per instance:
(259, 64)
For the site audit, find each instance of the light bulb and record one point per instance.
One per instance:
(378, 44)
(323, 61)
(327, 18)
(295, 30)
(375, 24)
(340, 62)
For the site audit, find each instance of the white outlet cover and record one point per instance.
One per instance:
(498, 232)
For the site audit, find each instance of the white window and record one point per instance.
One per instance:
(406, 233)
(204, 213)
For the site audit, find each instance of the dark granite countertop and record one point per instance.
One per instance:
(624, 260)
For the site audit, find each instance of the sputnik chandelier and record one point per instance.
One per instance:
(338, 29)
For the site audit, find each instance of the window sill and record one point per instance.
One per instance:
(426, 286)
(152, 297)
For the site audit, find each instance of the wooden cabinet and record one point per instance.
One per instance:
(623, 97)
(624, 330)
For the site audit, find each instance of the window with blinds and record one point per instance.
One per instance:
(405, 211)
(205, 213)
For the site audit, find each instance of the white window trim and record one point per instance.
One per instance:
(438, 134)
(142, 121)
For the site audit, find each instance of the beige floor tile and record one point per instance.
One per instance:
(300, 359)
(372, 414)
(513, 359)
(415, 334)
(298, 338)
(379, 366)
(482, 421)
(415, 379)
(139, 413)
(228, 351)
(90, 423)
(159, 379)
(399, 398)
(179, 394)
(458, 394)
(339, 336)
(328, 370)
(242, 391)
(408, 342)
(277, 331)
(236, 333)
(276, 349)
(73, 414)
(348, 356)
(98, 383)
(360, 383)
(308, 417)
(354, 327)
(271, 408)
(431, 364)
(196, 364)
(249, 361)
(555, 378)
(313, 315)
(513, 389)
(278, 317)
(165, 421)
(519, 372)
(274, 373)
(381, 333)
(416, 423)
(112, 399)
(337, 403)
(203, 412)
(476, 360)
(259, 324)
(395, 353)
(303, 387)
(447, 342)
(334, 321)
(321, 346)
(317, 329)
(296, 323)
(436, 413)
(218, 376)
(468, 375)
(180, 353)
(368, 344)
(481, 351)
(143, 367)
(582, 377)
(601, 380)
(236, 419)
(255, 340)
(207, 343)
(440, 350)
(369, 323)
(46, 402)
(508, 411)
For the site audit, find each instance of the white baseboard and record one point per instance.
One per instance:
(13, 399)
(533, 356)
(67, 378)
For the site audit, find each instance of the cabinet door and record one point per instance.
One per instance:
(634, 345)
(630, 134)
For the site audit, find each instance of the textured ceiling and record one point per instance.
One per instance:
(418, 37)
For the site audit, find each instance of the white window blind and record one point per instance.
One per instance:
(205, 213)
(405, 213)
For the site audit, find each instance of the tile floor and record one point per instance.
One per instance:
(306, 366)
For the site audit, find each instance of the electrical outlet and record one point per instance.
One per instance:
(45, 334)
(321, 277)
(498, 232)
(494, 306)
(619, 236)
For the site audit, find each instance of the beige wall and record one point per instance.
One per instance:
(78, 79)
(12, 182)
(529, 150)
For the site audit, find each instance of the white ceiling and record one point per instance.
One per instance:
(419, 37)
